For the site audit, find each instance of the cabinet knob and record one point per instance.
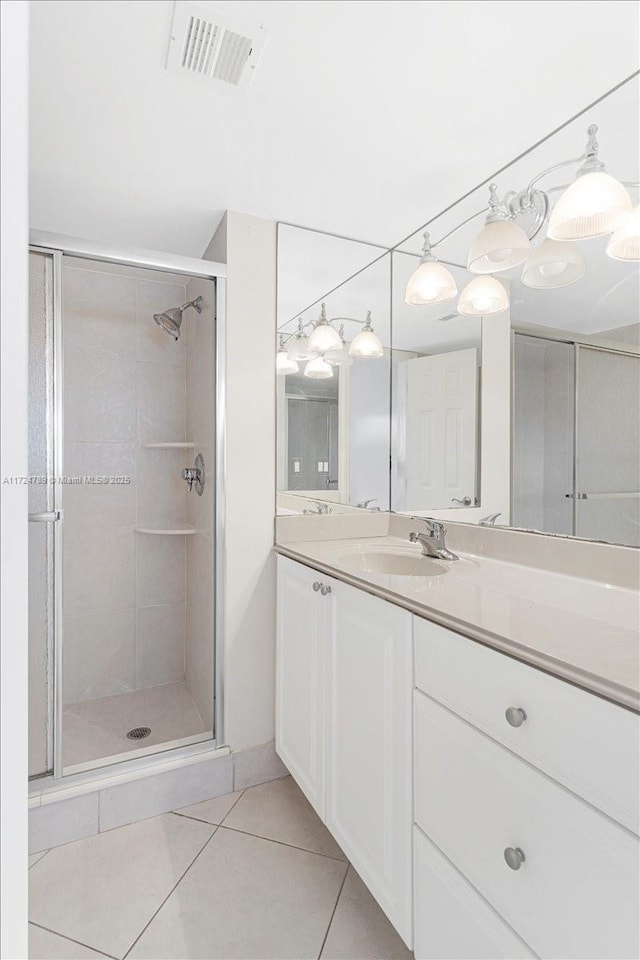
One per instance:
(316, 586)
(324, 590)
(514, 857)
(515, 716)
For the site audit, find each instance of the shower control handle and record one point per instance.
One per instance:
(195, 475)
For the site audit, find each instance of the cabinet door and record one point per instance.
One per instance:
(452, 921)
(369, 748)
(303, 621)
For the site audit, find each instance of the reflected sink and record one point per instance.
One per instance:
(393, 564)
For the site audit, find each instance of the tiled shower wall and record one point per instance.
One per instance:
(200, 510)
(124, 593)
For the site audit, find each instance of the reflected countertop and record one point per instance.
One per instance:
(583, 631)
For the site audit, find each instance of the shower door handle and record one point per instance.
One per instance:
(49, 516)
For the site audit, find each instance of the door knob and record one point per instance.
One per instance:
(316, 586)
(324, 590)
(515, 716)
(465, 501)
(514, 857)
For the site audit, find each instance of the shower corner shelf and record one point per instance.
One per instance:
(170, 528)
(178, 445)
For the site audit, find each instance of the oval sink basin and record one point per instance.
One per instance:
(393, 564)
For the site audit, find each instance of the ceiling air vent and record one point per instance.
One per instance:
(212, 47)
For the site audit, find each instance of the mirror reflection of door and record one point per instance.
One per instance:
(312, 430)
(441, 438)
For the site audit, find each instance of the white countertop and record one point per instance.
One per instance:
(583, 631)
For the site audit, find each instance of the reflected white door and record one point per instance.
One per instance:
(441, 443)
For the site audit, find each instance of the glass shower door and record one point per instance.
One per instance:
(42, 514)
(607, 504)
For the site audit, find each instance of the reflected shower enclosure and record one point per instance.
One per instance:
(122, 544)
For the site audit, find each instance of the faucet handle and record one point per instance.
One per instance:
(413, 536)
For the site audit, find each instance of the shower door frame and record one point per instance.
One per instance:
(57, 246)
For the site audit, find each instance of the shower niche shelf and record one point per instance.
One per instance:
(170, 528)
(179, 445)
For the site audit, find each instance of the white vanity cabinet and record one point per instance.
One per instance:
(343, 723)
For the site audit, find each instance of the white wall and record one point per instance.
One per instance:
(248, 246)
(13, 499)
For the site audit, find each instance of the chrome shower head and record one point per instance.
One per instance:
(171, 319)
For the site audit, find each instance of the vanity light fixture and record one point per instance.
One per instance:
(625, 242)
(341, 357)
(430, 282)
(594, 204)
(366, 343)
(284, 364)
(324, 337)
(501, 244)
(298, 348)
(482, 297)
(318, 369)
(555, 263)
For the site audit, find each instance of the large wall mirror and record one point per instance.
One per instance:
(528, 416)
(507, 387)
(334, 362)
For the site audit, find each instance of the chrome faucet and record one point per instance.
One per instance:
(432, 542)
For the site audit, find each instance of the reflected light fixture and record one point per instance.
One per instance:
(430, 282)
(594, 204)
(625, 242)
(318, 369)
(366, 343)
(284, 364)
(482, 297)
(341, 357)
(323, 336)
(501, 244)
(299, 346)
(554, 263)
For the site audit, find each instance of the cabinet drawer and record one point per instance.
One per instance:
(579, 739)
(452, 921)
(576, 893)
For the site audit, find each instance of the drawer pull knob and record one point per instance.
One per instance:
(515, 716)
(324, 590)
(316, 586)
(514, 857)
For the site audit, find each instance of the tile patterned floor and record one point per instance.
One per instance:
(253, 875)
(95, 729)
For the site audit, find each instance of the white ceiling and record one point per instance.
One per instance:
(363, 118)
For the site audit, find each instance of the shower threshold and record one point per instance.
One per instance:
(94, 732)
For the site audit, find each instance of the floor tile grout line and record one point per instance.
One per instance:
(239, 797)
(335, 907)
(176, 884)
(64, 936)
(283, 843)
(190, 816)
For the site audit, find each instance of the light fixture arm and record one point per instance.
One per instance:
(589, 158)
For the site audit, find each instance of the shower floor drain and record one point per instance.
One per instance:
(138, 733)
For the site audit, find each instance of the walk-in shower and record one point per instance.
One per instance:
(124, 559)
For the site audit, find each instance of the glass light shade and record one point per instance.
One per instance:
(318, 369)
(625, 242)
(499, 245)
(430, 282)
(324, 337)
(299, 349)
(595, 204)
(339, 358)
(284, 364)
(555, 263)
(366, 344)
(483, 297)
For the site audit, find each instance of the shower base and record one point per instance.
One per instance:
(96, 730)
